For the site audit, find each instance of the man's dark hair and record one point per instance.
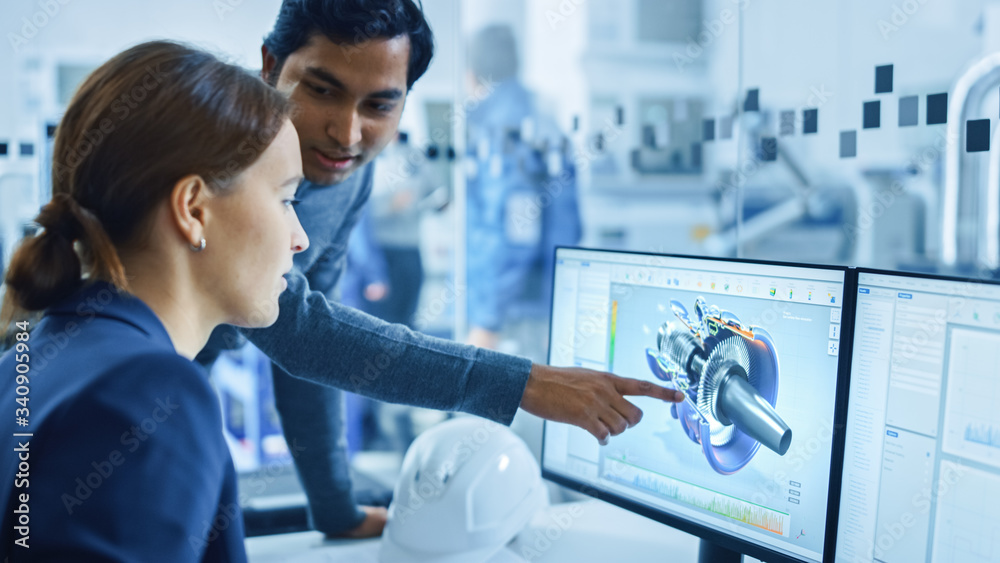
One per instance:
(348, 23)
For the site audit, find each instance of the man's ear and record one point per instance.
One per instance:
(268, 62)
(188, 207)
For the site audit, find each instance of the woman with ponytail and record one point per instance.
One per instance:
(173, 176)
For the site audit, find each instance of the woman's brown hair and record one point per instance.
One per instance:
(144, 120)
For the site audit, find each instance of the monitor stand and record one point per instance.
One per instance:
(709, 552)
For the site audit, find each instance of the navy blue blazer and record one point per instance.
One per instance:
(125, 460)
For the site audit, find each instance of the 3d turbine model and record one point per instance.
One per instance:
(730, 376)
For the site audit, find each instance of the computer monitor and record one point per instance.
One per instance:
(746, 461)
(921, 476)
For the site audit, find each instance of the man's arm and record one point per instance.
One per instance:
(335, 345)
(332, 344)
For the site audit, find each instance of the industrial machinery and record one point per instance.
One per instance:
(729, 374)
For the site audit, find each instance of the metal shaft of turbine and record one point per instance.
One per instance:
(736, 401)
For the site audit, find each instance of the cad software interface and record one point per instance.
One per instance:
(922, 456)
(755, 349)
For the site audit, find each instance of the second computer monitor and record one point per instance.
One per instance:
(921, 477)
(745, 461)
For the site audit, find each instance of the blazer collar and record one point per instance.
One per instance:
(101, 299)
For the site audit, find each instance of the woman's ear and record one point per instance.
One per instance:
(188, 208)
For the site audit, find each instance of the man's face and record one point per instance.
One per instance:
(348, 99)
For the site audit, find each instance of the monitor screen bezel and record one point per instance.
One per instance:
(707, 533)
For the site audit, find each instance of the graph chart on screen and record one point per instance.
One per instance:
(984, 434)
(964, 530)
(644, 479)
(972, 415)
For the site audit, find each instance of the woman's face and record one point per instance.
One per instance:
(254, 233)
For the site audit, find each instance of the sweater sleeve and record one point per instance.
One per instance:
(331, 344)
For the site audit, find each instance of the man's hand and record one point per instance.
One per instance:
(592, 400)
(371, 526)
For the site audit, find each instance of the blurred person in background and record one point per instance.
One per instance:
(522, 203)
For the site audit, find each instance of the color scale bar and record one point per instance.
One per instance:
(614, 327)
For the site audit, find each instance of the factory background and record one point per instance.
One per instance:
(854, 133)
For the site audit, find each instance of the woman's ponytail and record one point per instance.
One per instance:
(47, 267)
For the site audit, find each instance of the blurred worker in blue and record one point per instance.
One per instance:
(522, 203)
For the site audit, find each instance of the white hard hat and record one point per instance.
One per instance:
(468, 486)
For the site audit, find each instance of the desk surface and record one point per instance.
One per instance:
(577, 532)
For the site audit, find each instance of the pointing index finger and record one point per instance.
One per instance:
(627, 386)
